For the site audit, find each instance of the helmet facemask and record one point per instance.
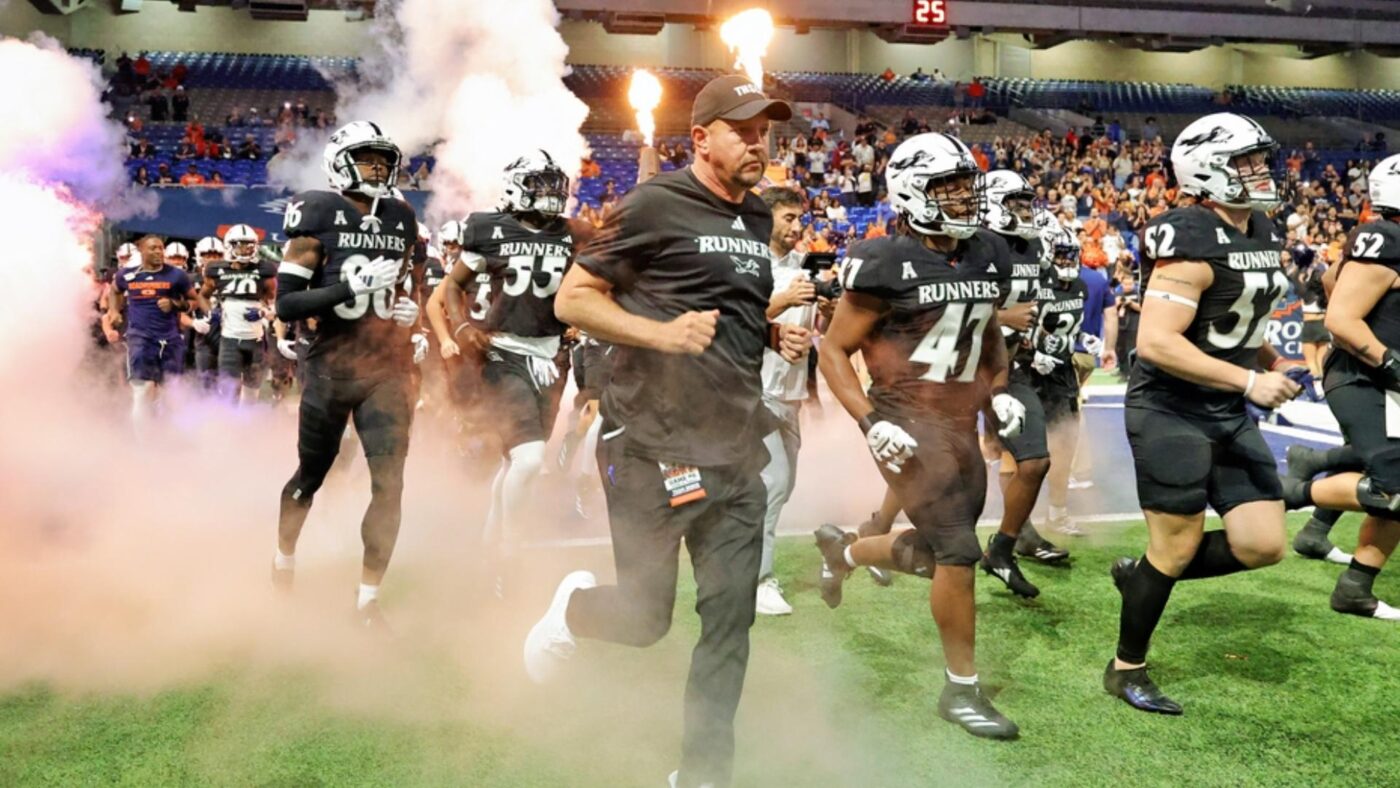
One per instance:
(544, 191)
(954, 204)
(346, 164)
(1066, 261)
(1251, 173)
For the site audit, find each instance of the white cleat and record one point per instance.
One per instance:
(769, 601)
(1336, 556)
(550, 642)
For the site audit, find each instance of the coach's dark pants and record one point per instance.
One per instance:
(724, 534)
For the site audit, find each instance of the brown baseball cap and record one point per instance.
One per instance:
(733, 97)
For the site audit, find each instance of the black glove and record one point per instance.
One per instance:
(1389, 370)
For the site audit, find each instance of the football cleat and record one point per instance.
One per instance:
(1304, 462)
(1032, 545)
(370, 617)
(832, 542)
(550, 643)
(1064, 525)
(1312, 542)
(1005, 569)
(966, 706)
(1137, 689)
(1354, 599)
(1120, 571)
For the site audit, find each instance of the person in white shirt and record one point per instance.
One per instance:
(794, 302)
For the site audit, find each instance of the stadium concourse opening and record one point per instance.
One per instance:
(372, 369)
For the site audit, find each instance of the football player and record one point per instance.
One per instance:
(1212, 275)
(208, 323)
(525, 247)
(1059, 330)
(157, 294)
(1362, 381)
(347, 265)
(245, 285)
(1009, 213)
(921, 306)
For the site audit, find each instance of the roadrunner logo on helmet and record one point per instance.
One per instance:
(1009, 205)
(338, 161)
(1385, 187)
(535, 184)
(241, 242)
(936, 185)
(1212, 160)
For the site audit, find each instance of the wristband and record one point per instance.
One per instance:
(865, 423)
(1249, 385)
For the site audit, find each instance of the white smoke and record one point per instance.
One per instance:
(475, 82)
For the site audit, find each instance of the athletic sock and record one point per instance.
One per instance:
(1001, 545)
(1361, 576)
(283, 561)
(1145, 595)
(368, 593)
(1341, 458)
(966, 681)
(1213, 558)
(846, 556)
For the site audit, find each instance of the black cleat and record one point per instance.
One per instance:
(1311, 542)
(1354, 599)
(1304, 462)
(1136, 688)
(881, 577)
(1120, 571)
(832, 542)
(1032, 545)
(1005, 569)
(966, 706)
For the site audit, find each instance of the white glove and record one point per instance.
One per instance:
(405, 311)
(200, 325)
(543, 371)
(1011, 413)
(1092, 344)
(287, 348)
(1045, 363)
(420, 348)
(379, 274)
(890, 444)
(1053, 343)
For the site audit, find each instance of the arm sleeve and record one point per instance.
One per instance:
(622, 249)
(298, 300)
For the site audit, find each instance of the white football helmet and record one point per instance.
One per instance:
(241, 244)
(533, 183)
(919, 169)
(128, 256)
(338, 161)
(1207, 154)
(177, 251)
(1064, 247)
(1385, 185)
(1009, 209)
(451, 233)
(209, 245)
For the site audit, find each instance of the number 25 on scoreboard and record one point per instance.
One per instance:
(933, 13)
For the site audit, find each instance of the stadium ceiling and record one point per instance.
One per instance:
(1163, 25)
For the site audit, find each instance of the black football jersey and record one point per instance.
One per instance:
(1061, 314)
(358, 337)
(433, 272)
(1373, 243)
(1233, 313)
(924, 353)
(239, 288)
(526, 267)
(1027, 282)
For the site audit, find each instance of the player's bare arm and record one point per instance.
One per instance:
(1358, 289)
(856, 317)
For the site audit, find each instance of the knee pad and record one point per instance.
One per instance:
(1376, 501)
(912, 555)
(300, 489)
(1173, 478)
(956, 546)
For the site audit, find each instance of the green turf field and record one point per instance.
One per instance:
(1278, 691)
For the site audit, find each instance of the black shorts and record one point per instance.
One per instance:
(381, 407)
(521, 410)
(1360, 410)
(1185, 463)
(1060, 404)
(152, 359)
(943, 487)
(1031, 443)
(1315, 331)
(242, 359)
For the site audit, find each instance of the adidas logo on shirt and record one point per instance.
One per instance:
(738, 223)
